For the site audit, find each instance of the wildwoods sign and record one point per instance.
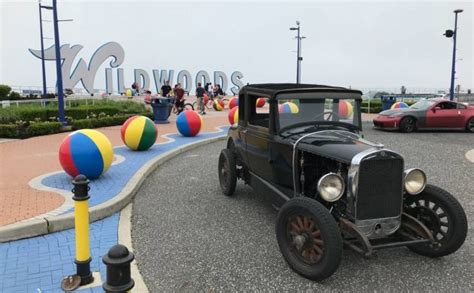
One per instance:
(85, 73)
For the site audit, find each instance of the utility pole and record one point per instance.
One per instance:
(43, 67)
(453, 34)
(298, 55)
(58, 64)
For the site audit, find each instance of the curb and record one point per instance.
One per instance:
(37, 227)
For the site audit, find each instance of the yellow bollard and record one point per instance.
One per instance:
(81, 223)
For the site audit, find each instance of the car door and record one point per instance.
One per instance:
(444, 114)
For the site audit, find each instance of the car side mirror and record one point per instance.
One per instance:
(436, 109)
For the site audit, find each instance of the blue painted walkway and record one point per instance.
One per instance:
(39, 264)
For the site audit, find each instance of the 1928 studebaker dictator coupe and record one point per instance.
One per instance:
(305, 153)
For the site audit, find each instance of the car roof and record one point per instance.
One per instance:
(271, 89)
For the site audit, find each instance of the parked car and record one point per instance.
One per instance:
(428, 114)
(331, 186)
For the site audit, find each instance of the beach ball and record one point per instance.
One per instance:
(233, 115)
(138, 133)
(87, 152)
(129, 93)
(288, 107)
(345, 109)
(206, 98)
(399, 105)
(218, 105)
(261, 102)
(234, 102)
(189, 123)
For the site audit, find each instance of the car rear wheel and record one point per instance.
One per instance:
(470, 125)
(408, 124)
(227, 172)
(443, 215)
(309, 238)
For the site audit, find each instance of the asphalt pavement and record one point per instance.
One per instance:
(188, 236)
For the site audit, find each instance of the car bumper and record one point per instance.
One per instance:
(386, 122)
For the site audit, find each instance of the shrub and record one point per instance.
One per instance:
(24, 129)
(4, 90)
(14, 95)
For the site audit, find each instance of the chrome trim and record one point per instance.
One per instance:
(294, 159)
(388, 225)
(342, 189)
(405, 174)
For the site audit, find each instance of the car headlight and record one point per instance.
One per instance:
(331, 187)
(415, 181)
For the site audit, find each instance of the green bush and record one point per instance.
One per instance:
(4, 91)
(25, 129)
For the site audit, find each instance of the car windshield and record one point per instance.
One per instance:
(422, 104)
(297, 108)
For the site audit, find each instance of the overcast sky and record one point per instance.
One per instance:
(377, 44)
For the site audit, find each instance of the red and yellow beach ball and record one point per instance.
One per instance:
(345, 109)
(233, 115)
(261, 102)
(87, 152)
(399, 105)
(138, 133)
(218, 105)
(234, 102)
(288, 108)
(189, 123)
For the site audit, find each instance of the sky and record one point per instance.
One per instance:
(361, 44)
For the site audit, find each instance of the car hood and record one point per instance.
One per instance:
(339, 145)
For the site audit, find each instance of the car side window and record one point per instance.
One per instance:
(461, 106)
(447, 105)
(259, 111)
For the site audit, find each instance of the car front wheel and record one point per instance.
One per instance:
(408, 124)
(309, 238)
(443, 215)
(227, 172)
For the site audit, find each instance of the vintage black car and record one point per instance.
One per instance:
(305, 153)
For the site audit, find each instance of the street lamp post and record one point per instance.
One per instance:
(453, 34)
(42, 47)
(298, 51)
(57, 47)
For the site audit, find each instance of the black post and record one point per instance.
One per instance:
(42, 52)
(119, 278)
(453, 67)
(298, 68)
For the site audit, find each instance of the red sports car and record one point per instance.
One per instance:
(428, 114)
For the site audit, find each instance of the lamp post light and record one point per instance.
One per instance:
(298, 51)
(42, 46)
(453, 34)
(57, 47)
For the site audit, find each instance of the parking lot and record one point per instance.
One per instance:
(188, 236)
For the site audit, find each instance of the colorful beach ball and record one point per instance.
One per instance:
(189, 123)
(87, 152)
(261, 102)
(233, 115)
(399, 105)
(345, 109)
(138, 133)
(288, 107)
(234, 102)
(218, 105)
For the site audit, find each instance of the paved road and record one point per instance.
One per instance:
(188, 236)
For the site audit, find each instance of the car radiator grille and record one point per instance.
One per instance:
(379, 192)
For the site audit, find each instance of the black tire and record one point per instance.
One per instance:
(470, 125)
(314, 222)
(189, 106)
(408, 124)
(443, 215)
(227, 172)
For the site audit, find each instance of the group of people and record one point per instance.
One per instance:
(177, 94)
(210, 91)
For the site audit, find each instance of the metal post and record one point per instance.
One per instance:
(58, 65)
(298, 65)
(119, 277)
(453, 68)
(42, 52)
